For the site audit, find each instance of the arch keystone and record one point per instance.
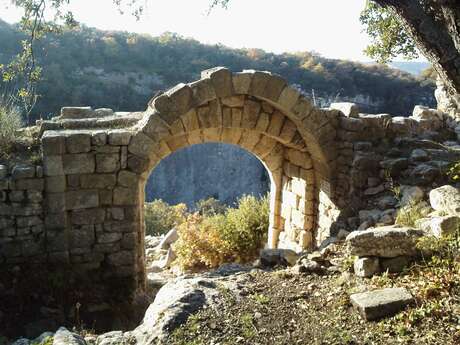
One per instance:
(221, 79)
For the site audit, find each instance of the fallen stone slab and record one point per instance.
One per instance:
(385, 241)
(447, 199)
(374, 305)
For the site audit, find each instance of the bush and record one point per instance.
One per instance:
(10, 122)
(160, 217)
(210, 207)
(235, 236)
(454, 172)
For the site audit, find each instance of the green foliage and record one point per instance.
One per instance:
(389, 37)
(125, 69)
(409, 214)
(237, 235)
(10, 122)
(210, 207)
(454, 172)
(160, 217)
(46, 341)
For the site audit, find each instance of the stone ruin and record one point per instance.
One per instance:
(83, 206)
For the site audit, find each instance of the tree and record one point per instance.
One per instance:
(396, 26)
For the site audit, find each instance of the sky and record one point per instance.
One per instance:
(329, 27)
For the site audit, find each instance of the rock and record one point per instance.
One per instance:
(424, 174)
(23, 171)
(342, 234)
(444, 226)
(21, 341)
(76, 112)
(419, 155)
(169, 259)
(374, 190)
(369, 215)
(308, 267)
(347, 108)
(387, 219)
(114, 338)
(447, 199)
(394, 167)
(378, 304)
(386, 202)
(42, 338)
(64, 337)
(171, 237)
(395, 265)
(411, 195)
(386, 241)
(3, 171)
(274, 257)
(366, 267)
(173, 304)
(424, 113)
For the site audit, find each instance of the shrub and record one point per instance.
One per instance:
(10, 122)
(210, 207)
(454, 172)
(237, 235)
(160, 217)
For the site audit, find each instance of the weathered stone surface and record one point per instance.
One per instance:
(78, 142)
(347, 108)
(83, 163)
(221, 79)
(385, 241)
(378, 304)
(76, 112)
(410, 195)
(447, 199)
(171, 237)
(81, 199)
(141, 145)
(444, 226)
(119, 137)
(125, 196)
(107, 162)
(23, 172)
(64, 337)
(273, 257)
(366, 267)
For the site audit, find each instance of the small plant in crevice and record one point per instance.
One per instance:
(10, 123)
(409, 214)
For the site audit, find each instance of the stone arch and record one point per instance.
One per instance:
(260, 113)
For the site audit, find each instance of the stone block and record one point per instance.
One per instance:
(234, 101)
(98, 181)
(385, 241)
(23, 172)
(99, 138)
(16, 196)
(221, 80)
(377, 304)
(23, 222)
(395, 265)
(37, 184)
(55, 202)
(81, 238)
(88, 216)
(242, 82)
(347, 108)
(141, 145)
(444, 226)
(118, 137)
(53, 143)
(109, 237)
(77, 112)
(203, 91)
(263, 122)
(106, 163)
(446, 199)
(81, 199)
(250, 114)
(83, 163)
(137, 164)
(366, 266)
(126, 196)
(125, 257)
(128, 179)
(106, 197)
(288, 98)
(276, 123)
(78, 143)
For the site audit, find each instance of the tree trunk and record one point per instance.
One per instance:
(437, 38)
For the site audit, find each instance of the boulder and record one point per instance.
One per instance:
(374, 305)
(421, 113)
(395, 166)
(171, 237)
(386, 241)
(446, 199)
(444, 226)
(115, 338)
(369, 215)
(419, 155)
(274, 257)
(65, 337)
(424, 174)
(366, 267)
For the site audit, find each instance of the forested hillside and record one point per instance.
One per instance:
(121, 70)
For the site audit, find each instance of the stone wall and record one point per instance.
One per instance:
(22, 228)
(325, 166)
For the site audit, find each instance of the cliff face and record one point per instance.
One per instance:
(222, 171)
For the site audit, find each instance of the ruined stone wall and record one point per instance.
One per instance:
(22, 228)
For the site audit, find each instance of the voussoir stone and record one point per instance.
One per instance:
(347, 108)
(374, 305)
(386, 241)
